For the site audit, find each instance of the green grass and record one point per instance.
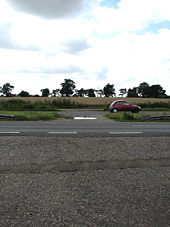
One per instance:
(32, 115)
(125, 117)
(46, 105)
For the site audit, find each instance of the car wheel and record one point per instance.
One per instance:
(115, 110)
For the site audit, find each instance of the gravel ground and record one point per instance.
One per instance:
(34, 149)
(71, 113)
(131, 197)
(108, 197)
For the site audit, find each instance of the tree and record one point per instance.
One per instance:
(90, 92)
(99, 93)
(132, 92)
(45, 92)
(156, 91)
(68, 87)
(143, 89)
(55, 92)
(109, 90)
(24, 94)
(6, 89)
(123, 91)
(81, 93)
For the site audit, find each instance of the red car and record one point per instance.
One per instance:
(122, 105)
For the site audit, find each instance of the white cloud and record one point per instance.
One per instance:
(132, 15)
(35, 49)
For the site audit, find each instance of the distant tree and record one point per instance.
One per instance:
(143, 89)
(132, 92)
(68, 87)
(123, 91)
(24, 94)
(6, 89)
(109, 90)
(99, 92)
(156, 91)
(90, 92)
(81, 92)
(55, 93)
(45, 92)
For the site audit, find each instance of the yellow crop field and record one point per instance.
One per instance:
(87, 101)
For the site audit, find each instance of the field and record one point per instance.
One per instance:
(54, 103)
(88, 100)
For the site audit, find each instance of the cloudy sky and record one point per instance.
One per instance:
(93, 42)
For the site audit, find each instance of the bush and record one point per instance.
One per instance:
(127, 116)
(155, 105)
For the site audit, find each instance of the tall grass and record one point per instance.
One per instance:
(46, 105)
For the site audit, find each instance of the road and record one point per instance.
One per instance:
(84, 173)
(86, 128)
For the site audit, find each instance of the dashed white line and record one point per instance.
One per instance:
(62, 132)
(9, 132)
(125, 132)
(85, 118)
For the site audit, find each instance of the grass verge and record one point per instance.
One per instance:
(31, 115)
(125, 117)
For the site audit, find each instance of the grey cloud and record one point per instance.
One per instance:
(7, 43)
(103, 74)
(51, 9)
(76, 46)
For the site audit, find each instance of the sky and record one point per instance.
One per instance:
(92, 42)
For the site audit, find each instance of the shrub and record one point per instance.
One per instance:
(127, 116)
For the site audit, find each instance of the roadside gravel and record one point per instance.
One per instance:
(131, 197)
(37, 150)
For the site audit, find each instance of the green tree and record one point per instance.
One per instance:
(123, 91)
(143, 89)
(132, 92)
(55, 93)
(90, 92)
(24, 94)
(156, 91)
(99, 93)
(109, 90)
(45, 92)
(81, 92)
(6, 89)
(68, 87)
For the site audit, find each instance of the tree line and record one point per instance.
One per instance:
(68, 89)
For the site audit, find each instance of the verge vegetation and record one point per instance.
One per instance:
(31, 116)
(54, 103)
(123, 117)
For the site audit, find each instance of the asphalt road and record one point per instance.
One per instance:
(88, 178)
(85, 128)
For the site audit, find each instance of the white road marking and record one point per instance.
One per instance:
(125, 132)
(62, 132)
(9, 132)
(85, 118)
